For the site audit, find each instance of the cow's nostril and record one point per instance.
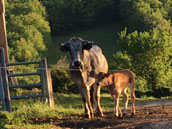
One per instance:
(77, 63)
(98, 84)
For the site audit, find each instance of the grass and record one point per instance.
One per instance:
(66, 105)
(104, 36)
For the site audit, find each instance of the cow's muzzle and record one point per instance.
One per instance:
(77, 63)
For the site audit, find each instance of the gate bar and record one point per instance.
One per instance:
(23, 74)
(23, 63)
(26, 96)
(25, 85)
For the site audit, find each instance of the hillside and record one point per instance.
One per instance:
(104, 36)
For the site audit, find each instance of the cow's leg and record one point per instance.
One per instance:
(116, 103)
(125, 97)
(81, 91)
(97, 100)
(133, 101)
(92, 98)
(88, 104)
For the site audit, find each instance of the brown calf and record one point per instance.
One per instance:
(118, 83)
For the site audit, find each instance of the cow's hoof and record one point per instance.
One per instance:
(92, 116)
(118, 117)
(132, 114)
(87, 116)
(98, 114)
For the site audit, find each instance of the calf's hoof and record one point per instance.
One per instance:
(124, 115)
(132, 114)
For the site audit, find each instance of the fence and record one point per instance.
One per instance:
(45, 82)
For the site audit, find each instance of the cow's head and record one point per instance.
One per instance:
(76, 47)
(102, 79)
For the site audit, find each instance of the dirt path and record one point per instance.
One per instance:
(156, 114)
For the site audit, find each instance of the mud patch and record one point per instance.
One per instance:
(155, 114)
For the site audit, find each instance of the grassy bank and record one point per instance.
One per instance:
(104, 36)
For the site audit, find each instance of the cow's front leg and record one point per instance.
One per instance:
(87, 102)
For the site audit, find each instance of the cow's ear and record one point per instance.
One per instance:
(64, 47)
(87, 45)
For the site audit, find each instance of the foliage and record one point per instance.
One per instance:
(72, 15)
(27, 29)
(61, 79)
(145, 14)
(28, 33)
(148, 55)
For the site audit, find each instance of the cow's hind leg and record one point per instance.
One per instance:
(92, 96)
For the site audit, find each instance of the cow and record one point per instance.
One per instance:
(118, 83)
(86, 62)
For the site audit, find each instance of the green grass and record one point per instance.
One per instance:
(104, 36)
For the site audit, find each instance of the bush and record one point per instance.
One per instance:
(61, 79)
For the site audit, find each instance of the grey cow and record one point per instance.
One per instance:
(87, 61)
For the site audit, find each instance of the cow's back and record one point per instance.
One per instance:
(98, 61)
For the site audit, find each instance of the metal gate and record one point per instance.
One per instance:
(45, 83)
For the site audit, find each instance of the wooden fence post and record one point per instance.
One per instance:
(50, 91)
(48, 84)
(3, 33)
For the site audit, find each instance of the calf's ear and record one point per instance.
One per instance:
(87, 44)
(64, 47)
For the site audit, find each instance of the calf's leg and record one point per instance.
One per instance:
(97, 100)
(125, 97)
(133, 101)
(116, 103)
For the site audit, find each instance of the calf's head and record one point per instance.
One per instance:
(76, 47)
(102, 79)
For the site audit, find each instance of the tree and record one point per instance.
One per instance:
(148, 54)
(144, 15)
(28, 33)
(27, 29)
(72, 15)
